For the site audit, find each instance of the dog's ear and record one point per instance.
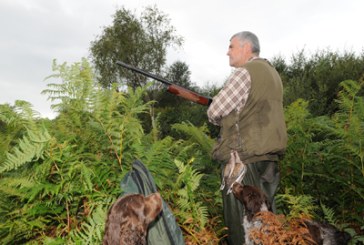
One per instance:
(237, 190)
(255, 203)
(152, 206)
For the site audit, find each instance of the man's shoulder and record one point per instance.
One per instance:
(258, 64)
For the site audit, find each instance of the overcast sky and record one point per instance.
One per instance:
(34, 32)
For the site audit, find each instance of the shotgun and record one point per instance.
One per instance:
(171, 87)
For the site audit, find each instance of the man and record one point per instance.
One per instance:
(249, 111)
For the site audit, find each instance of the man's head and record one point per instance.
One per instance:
(243, 46)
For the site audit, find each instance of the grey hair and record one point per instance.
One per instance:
(247, 36)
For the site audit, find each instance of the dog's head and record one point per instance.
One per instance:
(129, 217)
(253, 199)
(139, 209)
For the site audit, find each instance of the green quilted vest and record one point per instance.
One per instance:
(258, 131)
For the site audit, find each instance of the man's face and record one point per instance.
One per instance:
(238, 53)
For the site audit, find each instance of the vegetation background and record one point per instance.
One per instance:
(59, 177)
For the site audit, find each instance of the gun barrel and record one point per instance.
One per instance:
(172, 88)
(145, 73)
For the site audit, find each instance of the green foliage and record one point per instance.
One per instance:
(171, 109)
(349, 120)
(324, 158)
(355, 237)
(30, 147)
(197, 135)
(316, 78)
(192, 212)
(116, 116)
(75, 89)
(32, 143)
(329, 214)
(302, 150)
(91, 231)
(300, 206)
(198, 143)
(60, 192)
(54, 183)
(183, 111)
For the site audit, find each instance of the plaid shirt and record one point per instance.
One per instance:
(233, 96)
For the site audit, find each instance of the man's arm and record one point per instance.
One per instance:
(232, 96)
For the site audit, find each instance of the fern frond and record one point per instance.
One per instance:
(158, 157)
(133, 103)
(187, 201)
(201, 213)
(75, 88)
(25, 111)
(329, 214)
(198, 135)
(117, 117)
(299, 205)
(349, 120)
(30, 147)
(84, 173)
(91, 231)
(41, 190)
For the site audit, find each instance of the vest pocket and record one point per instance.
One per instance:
(221, 150)
(217, 151)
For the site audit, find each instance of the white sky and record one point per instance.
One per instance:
(34, 32)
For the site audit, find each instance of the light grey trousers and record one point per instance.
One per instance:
(264, 175)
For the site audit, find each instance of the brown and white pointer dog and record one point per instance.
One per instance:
(128, 219)
(255, 201)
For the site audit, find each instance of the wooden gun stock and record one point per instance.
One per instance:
(188, 95)
(171, 87)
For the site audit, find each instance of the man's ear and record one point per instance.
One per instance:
(247, 47)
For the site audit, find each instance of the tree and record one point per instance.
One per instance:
(172, 109)
(317, 78)
(139, 41)
(178, 73)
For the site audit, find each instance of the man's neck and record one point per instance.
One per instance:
(254, 57)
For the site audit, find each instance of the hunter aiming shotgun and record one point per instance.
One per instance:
(172, 88)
